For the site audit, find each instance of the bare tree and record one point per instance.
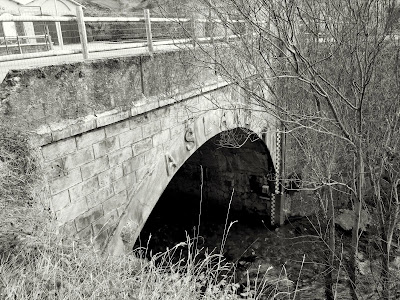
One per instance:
(319, 66)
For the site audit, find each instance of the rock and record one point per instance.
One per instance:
(396, 263)
(346, 219)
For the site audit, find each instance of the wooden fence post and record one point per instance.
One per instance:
(82, 32)
(148, 31)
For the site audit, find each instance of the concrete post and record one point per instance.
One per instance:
(82, 32)
(48, 38)
(148, 31)
(59, 35)
(58, 28)
(226, 35)
(194, 29)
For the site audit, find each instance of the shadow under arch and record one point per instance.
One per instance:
(143, 197)
(229, 178)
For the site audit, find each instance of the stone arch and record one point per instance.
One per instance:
(215, 179)
(143, 197)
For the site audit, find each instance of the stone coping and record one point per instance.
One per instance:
(49, 133)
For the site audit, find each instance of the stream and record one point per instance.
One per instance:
(291, 254)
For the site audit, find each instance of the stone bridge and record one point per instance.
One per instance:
(113, 133)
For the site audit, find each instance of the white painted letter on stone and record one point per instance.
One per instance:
(189, 138)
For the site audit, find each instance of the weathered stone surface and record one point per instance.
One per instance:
(153, 154)
(144, 106)
(142, 146)
(59, 149)
(100, 196)
(141, 173)
(83, 125)
(169, 122)
(88, 217)
(131, 136)
(95, 167)
(68, 229)
(105, 222)
(78, 158)
(62, 183)
(112, 117)
(71, 212)
(151, 128)
(90, 138)
(69, 128)
(60, 200)
(110, 175)
(115, 201)
(125, 182)
(178, 130)
(119, 156)
(55, 168)
(161, 137)
(138, 120)
(42, 136)
(85, 234)
(105, 146)
(117, 128)
(83, 189)
(133, 164)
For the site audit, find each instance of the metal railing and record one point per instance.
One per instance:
(84, 35)
(9, 43)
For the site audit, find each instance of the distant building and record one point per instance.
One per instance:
(35, 7)
(66, 32)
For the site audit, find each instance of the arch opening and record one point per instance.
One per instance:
(217, 179)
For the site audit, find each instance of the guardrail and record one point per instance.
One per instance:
(91, 34)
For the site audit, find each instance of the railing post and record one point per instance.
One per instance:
(49, 38)
(194, 31)
(19, 45)
(82, 32)
(59, 35)
(148, 31)
(226, 37)
(5, 40)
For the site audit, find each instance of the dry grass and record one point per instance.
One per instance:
(51, 271)
(22, 213)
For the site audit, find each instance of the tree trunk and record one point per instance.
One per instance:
(357, 209)
(329, 293)
(385, 272)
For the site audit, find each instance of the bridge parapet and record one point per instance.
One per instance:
(72, 95)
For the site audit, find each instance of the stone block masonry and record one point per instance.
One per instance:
(92, 173)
